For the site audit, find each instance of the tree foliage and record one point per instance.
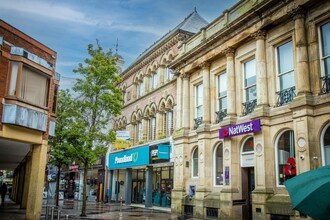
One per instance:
(59, 154)
(98, 99)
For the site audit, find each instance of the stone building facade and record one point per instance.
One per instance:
(28, 95)
(143, 173)
(252, 109)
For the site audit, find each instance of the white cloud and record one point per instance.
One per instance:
(48, 10)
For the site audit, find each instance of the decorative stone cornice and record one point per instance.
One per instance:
(204, 65)
(297, 12)
(260, 34)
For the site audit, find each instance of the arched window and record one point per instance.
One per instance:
(285, 153)
(325, 145)
(218, 165)
(194, 162)
(247, 153)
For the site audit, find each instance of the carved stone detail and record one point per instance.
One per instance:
(204, 65)
(297, 12)
(260, 34)
(185, 75)
(229, 51)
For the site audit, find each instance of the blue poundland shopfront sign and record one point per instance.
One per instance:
(129, 158)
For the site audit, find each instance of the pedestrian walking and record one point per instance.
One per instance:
(3, 190)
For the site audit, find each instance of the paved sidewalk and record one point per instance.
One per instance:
(12, 211)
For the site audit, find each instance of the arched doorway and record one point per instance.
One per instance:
(248, 180)
(325, 145)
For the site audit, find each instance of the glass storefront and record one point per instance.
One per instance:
(162, 186)
(138, 186)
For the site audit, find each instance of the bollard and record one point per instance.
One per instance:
(58, 214)
(52, 214)
(66, 217)
(121, 202)
(47, 210)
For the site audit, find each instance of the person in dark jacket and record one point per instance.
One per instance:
(3, 191)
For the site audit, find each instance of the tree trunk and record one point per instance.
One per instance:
(57, 194)
(83, 208)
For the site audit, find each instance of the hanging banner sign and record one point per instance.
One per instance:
(244, 128)
(123, 139)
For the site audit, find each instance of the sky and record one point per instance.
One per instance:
(68, 26)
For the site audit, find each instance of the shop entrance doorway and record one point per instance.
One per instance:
(248, 186)
(138, 186)
(138, 195)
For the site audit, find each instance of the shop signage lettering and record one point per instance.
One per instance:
(244, 128)
(125, 159)
(129, 158)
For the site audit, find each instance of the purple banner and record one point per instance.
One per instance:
(244, 128)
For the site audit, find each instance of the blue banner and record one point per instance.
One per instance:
(164, 151)
(129, 158)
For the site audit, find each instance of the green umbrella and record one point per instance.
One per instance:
(310, 193)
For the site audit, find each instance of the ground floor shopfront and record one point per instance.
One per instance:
(142, 175)
(238, 170)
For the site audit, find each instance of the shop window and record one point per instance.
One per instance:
(285, 74)
(218, 165)
(325, 57)
(250, 87)
(285, 153)
(195, 162)
(33, 85)
(325, 145)
(222, 97)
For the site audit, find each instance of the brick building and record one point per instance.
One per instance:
(28, 94)
(143, 173)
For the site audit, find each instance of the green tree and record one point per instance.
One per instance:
(98, 99)
(59, 155)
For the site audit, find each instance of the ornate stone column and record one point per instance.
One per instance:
(178, 103)
(185, 101)
(206, 92)
(161, 69)
(159, 124)
(145, 126)
(146, 80)
(262, 90)
(231, 92)
(302, 70)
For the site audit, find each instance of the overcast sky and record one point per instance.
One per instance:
(68, 26)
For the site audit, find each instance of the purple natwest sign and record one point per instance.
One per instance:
(244, 128)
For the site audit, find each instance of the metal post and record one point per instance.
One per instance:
(66, 217)
(58, 214)
(47, 210)
(52, 214)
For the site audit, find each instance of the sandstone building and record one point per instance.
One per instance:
(252, 109)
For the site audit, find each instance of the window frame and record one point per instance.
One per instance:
(245, 87)
(322, 57)
(277, 176)
(193, 166)
(215, 165)
(219, 97)
(278, 74)
(196, 100)
(322, 144)
(20, 84)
